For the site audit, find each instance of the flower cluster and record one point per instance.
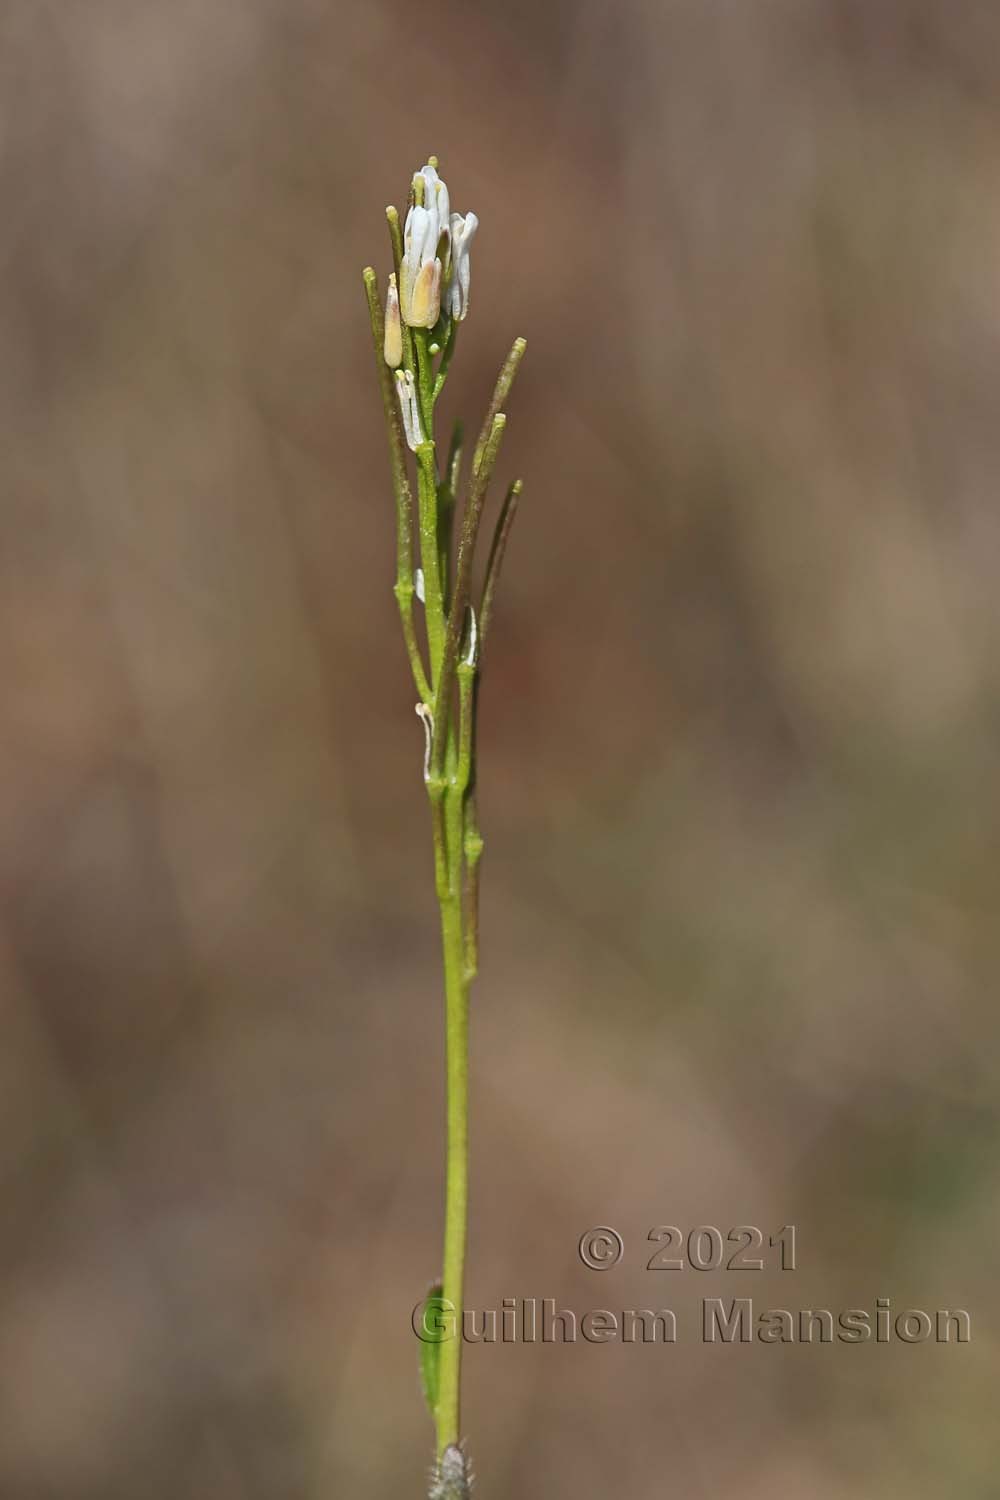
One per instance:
(432, 286)
(434, 273)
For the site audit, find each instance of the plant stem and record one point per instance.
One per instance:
(457, 1150)
(446, 357)
(450, 748)
(473, 854)
(425, 378)
(430, 557)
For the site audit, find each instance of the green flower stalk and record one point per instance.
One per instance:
(414, 335)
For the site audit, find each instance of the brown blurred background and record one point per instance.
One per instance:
(739, 751)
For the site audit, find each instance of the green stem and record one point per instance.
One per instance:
(447, 495)
(456, 986)
(472, 842)
(447, 1416)
(425, 377)
(430, 558)
(404, 591)
(446, 358)
(473, 854)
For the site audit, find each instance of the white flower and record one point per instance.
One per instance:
(393, 343)
(436, 198)
(409, 406)
(420, 273)
(457, 296)
(434, 275)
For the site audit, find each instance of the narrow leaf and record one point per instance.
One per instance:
(430, 1346)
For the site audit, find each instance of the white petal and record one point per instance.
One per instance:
(434, 188)
(444, 206)
(416, 234)
(469, 226)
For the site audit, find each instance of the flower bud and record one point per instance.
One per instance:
(425, 296)
(393, 345)
(436, 198)
(462, 231)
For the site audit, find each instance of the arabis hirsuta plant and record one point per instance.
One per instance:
(414, 334)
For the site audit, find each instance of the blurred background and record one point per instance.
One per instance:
(739, 745)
